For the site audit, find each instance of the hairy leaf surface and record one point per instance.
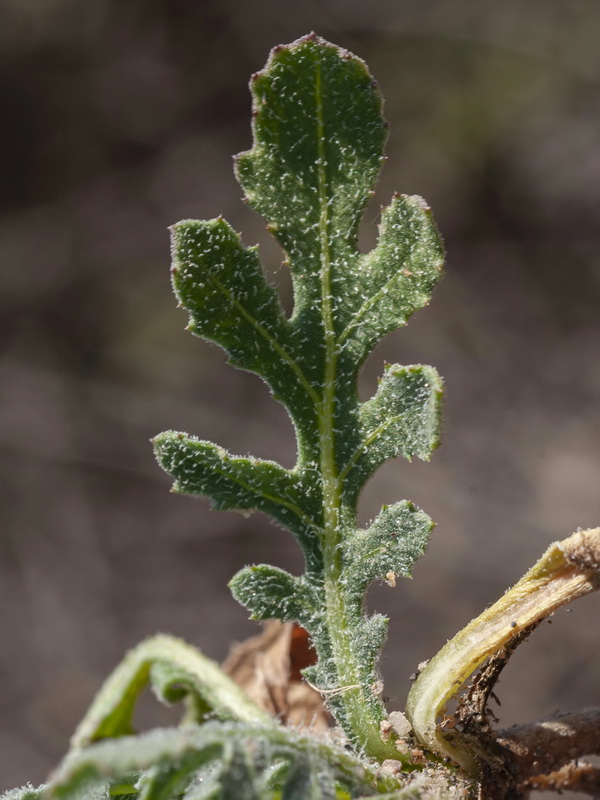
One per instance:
(170, 762)
(318, 147)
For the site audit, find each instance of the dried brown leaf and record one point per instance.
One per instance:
(268, 667)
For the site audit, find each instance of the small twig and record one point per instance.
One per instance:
(473, 728)
(472, 713)
(543, 747)
(574, 777)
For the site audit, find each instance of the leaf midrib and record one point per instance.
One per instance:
(347, 669)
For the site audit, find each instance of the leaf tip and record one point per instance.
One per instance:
(420, 202)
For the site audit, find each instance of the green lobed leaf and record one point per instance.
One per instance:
(291, 497)
(392, 544)
(402, 419)
(237, 483)
(159, 751)
(110, 715)
(395, 279)
(27, 792)
(272, 593)
(318, 136)
(222, 285)
(318, 147)
(180, 755)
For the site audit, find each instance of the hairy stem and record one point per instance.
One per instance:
(363, 726)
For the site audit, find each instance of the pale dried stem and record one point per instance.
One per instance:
(568, 570)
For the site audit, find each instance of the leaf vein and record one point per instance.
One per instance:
(366, 443)
(277, 499)
(281, 351)
(366, 306)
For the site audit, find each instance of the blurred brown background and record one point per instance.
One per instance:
(119, 118)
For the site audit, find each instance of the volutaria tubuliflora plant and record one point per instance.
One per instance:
(318, 147)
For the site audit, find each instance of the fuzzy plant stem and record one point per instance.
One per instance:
(364, 724)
